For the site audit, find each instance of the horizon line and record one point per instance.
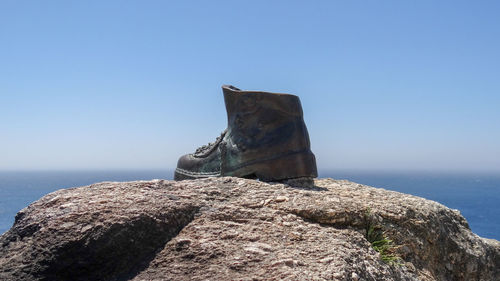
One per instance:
(320, 171)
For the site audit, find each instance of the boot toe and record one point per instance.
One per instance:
(184, 166)
(186, 162)
(191, 167)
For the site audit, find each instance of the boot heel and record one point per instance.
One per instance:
(297, 165)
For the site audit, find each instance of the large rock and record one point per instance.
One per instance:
(239, 229)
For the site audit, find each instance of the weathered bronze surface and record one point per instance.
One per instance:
(266, 138)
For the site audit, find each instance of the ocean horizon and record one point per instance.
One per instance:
(474, 194)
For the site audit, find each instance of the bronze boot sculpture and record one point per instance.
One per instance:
(266, 138)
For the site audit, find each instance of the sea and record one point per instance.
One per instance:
(475, 194)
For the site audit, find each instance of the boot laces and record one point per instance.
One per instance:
(208, 147)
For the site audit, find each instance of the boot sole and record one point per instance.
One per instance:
(181, 174)
(290, 166)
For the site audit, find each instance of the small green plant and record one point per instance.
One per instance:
(380, 243)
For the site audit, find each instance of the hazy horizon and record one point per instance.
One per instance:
(321, 172)
(115, 85)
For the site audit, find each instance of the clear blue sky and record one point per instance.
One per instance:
(135, 84)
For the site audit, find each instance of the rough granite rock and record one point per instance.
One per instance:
(239, 229)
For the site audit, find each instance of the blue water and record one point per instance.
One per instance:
(476, 195)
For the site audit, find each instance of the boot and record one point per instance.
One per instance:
(266, 138)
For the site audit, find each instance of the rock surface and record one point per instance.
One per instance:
(239, 229)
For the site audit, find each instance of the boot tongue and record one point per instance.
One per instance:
(231, 87)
